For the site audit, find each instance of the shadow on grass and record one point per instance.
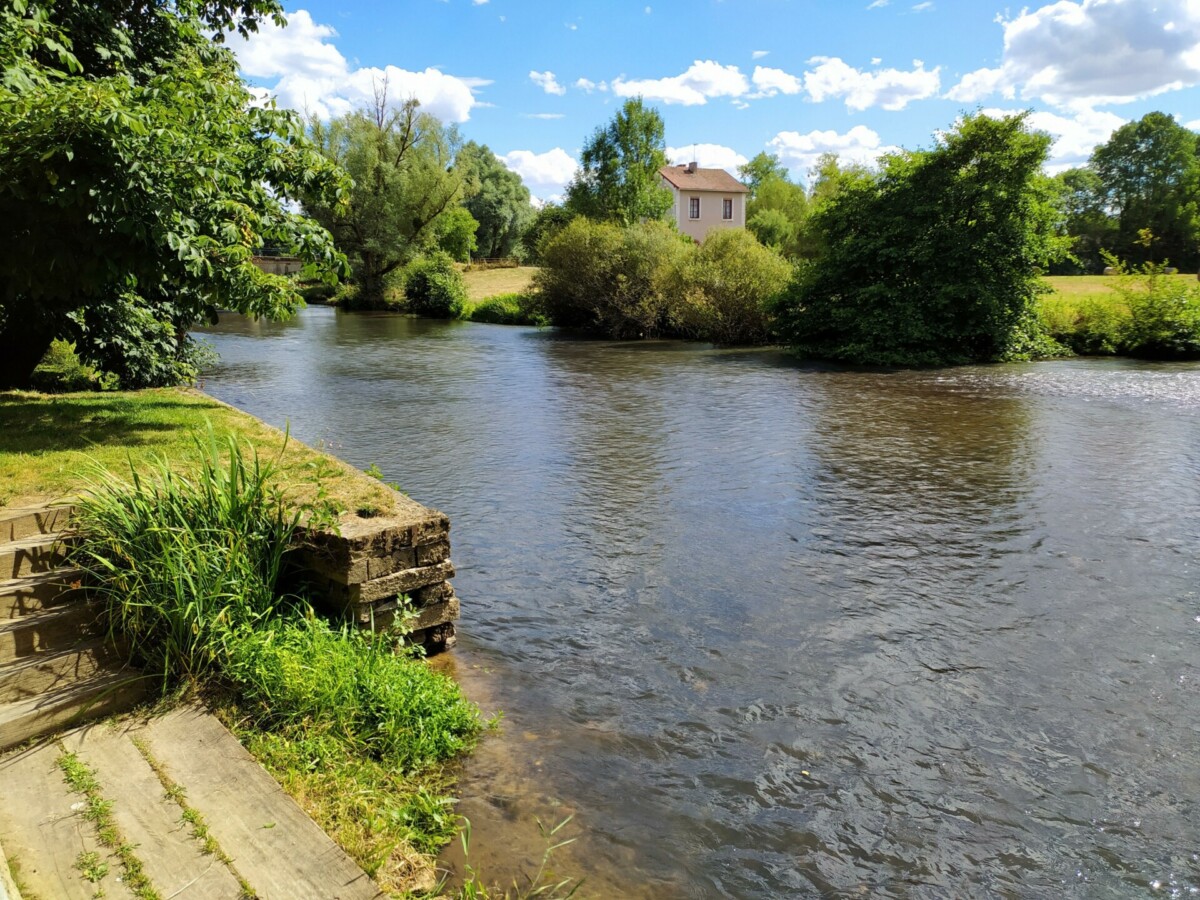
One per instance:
(34, 423)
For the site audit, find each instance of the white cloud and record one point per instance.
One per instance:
(759, 54)
(927, 6)
(800, 152)
(878, 4)
(544, 115)
(1075, 136)
(1194, 126)
(547, 82)
(703, 80)
(893, 89)
(586, 84)
(479, 2)
(770, 82)
(311, 75)
(708, 156)
(1076, 55)
(545, 174)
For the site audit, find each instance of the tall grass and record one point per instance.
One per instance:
(189, 570)
(186, 564)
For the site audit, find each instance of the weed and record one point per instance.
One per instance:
(82, 780)
(540, 884)
(91, 866)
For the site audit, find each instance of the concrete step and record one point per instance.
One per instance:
(20, 596)
(61, 627)
(90, 698)
(26, 678)
(17, 522)
(34, 554)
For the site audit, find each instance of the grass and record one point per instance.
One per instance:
(484, 283)
(1098, 286)
(47, 441)
(82, 780)
(352, 725)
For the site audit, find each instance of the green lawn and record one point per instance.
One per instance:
(49, 443)
(1073, 286)
(484, 283)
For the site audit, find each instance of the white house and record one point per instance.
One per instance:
(705, 199)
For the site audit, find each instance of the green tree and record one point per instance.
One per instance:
(498, 200)
(455, 233)
(134, 171)
(1085, 219)
(762, 168)
(775, 202)
(402, 163)
(936, 259)
(547, 222)
(618, 180)
(1150, 175)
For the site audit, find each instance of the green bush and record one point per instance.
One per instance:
(506, 309)
(609, 278)
(434, 287)
(61, 371)
(1164, 315)
(726, 288)
(1091, 326)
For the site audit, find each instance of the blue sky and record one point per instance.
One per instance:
(533, 78)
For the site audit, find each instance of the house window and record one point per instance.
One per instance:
(727, 208)
(693, 207)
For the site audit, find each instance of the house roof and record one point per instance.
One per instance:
(702, 180)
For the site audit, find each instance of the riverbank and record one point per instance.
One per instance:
(389, 818)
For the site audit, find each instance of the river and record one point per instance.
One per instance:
(769, 629)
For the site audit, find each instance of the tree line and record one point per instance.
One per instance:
(138, 181)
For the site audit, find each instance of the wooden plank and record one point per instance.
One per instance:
(44, 832)
(281, 852)
(172, 859)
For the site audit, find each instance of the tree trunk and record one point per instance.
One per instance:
(23, 343)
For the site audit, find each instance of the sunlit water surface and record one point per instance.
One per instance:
(771, 630)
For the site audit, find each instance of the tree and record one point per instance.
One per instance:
(455, 234)
(776, 215)
(402, 163)
(498, 200)
(1085, 219)
(764, 167)
(135, 171)
(618, 180)
(936, 259)
(547, 222)
(1150, 173)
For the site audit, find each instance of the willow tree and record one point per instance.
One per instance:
(136, 175)
(402, 162)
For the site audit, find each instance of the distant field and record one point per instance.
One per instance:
(1093, 285)
(483, 283)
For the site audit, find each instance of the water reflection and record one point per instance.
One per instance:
(769, 629)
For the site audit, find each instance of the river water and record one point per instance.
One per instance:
(768, 629)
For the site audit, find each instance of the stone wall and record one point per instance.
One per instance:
(362, 571)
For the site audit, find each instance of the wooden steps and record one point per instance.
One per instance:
(161, 777)
(57, 667)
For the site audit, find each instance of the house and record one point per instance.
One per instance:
(705, 199)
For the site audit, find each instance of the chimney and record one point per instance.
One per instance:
(691, 168)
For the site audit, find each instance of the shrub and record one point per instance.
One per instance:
(1091, 326)
(608, 278)
(726, 288)
(434, 287)
(61, 370)
(506, 309)
(1164, 314)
